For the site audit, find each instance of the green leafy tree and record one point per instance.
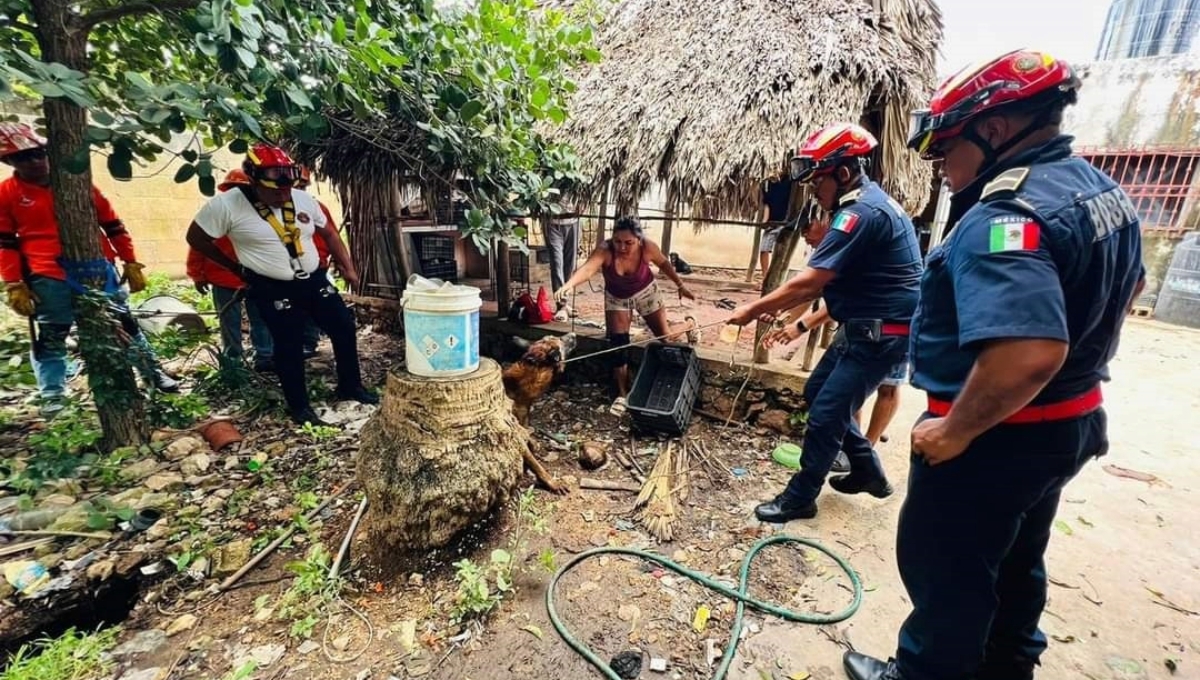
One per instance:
(127, 77)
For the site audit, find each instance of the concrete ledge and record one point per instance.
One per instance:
(771, 394)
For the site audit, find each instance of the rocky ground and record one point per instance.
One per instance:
(1125, 572)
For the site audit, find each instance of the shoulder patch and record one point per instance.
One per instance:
(1013, 232)
(845, 221)
(850, 197)
(1005, 182)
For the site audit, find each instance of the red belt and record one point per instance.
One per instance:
(894, 329)
(1062, 410)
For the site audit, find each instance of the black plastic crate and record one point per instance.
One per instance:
(665, 389)
(446, 270)
(435, 247)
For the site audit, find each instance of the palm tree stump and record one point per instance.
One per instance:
(437, 457)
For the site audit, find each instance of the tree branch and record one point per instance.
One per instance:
(132, 8)
(28, 28)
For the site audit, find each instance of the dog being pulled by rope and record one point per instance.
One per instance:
(527, 380)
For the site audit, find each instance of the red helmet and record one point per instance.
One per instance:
(233, 178)
(828, 147)
(270, 166)
(1021, 75)
(18, 137)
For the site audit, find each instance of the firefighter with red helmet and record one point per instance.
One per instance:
(867, 268)
(36, 282)
(1020, 312)
(273, 227)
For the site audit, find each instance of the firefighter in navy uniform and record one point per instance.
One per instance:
(868, 269)
(1020, 312)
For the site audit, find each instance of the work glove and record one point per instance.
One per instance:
(134, 276)
(20, 298)
(202, 287)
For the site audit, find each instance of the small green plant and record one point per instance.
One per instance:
(318, 432)
(176, 410)
(307, 500)
(69, 441)
(172, 342)
(319, 389)
(105, 515)
(183, 560)
(481, 589)
(305, 601)
(244, 672)
(71, 656)
(15, 366)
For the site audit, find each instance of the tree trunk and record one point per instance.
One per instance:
(669, 222)
(110, 374)
(437, 457)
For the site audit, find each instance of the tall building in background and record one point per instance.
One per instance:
(1149, 28)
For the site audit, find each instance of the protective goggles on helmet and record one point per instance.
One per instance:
(276, 177)
(25, 155)
(804, 169)
(925, 126)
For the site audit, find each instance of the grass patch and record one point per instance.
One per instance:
(73, 656)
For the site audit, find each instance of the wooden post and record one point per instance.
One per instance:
(754, 254)
(668, 222)
(502, 279)
(814, 339)
(781, 259)
(603, 212)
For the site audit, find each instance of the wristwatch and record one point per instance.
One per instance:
(801, 326)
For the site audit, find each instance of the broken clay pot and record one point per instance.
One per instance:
(219, 434)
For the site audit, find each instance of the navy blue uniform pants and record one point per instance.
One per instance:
(285, 307)
(973, 532)
(843, 379)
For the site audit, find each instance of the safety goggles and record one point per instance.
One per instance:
(26, 156)
(278, 177)
(925, 127)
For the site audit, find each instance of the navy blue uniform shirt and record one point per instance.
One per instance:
(776, 196)
(1058, 257)
(872, 248)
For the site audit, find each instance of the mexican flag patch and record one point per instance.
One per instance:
(845, 222)
(1013, 234)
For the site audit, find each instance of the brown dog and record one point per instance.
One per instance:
(527, 380)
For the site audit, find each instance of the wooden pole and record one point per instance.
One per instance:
(502, 279)
(603, 213)
(781, 259)
(754, 255)
(669, 222)
(814, 338)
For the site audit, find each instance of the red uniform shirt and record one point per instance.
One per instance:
(29, 231)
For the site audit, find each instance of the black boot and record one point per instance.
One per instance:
(1002, 666)
(164, 382)
(852, 484)
(783, 509)
(307, 415)
(863, 667)
(361, 395)
(841, 464)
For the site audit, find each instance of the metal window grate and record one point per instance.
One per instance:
(1159, 181)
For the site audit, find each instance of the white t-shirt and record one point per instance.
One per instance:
(257, 245)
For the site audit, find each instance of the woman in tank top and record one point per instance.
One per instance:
(629, 286)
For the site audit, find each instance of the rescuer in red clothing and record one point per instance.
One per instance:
(35, 281)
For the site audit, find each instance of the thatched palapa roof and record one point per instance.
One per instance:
(708, 96)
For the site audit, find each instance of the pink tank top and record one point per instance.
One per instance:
(622, 286)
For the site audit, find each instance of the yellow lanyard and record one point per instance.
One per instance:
(287, 232)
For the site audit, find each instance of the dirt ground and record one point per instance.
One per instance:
(1125, 568)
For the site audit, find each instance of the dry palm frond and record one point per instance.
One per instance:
(664, 492)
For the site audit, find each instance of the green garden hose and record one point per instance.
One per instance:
(740, 595)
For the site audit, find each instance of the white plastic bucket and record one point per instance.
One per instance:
(441, 328)
(156, 314)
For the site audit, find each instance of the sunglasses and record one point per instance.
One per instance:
(26, 156)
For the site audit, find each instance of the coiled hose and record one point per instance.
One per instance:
(740, 595)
